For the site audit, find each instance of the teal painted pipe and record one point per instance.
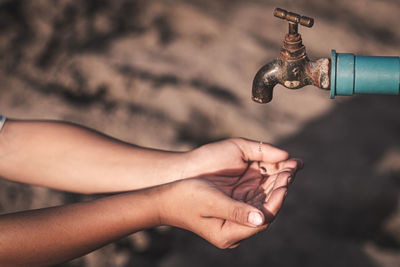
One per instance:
(352, 74)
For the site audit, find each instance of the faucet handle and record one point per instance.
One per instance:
(293, 17)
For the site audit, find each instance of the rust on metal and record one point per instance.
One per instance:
(293, 69)
(318, 71)
(293, 17)
(292, 48)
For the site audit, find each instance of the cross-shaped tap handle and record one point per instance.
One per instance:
(294, 19)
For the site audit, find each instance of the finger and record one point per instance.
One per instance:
(257, 201)
(253, 171)
(234, 245)
(236, 233)
(273, 205)
(281, 179)
(229, 235)
(227, 208)
(258, 151)
(300, 162)
(247, 190)
(268, 185)
(291, 164)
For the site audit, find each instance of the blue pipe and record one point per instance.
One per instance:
(352, 74)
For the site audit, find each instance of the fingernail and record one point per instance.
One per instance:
(301, 164)
(290, 179)
(255, 218)
(263, 170)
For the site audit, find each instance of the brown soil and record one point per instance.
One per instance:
(177, 74)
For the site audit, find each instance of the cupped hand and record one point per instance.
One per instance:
(238, 189)
(243, 168)
(206, 208)
(199, 206)
(247, 171)
(257, 186)
(232, 157)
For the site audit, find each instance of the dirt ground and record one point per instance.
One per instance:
(177, 74)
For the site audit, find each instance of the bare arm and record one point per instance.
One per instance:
(54, 235)
(49, 236)
(73, 158)
(70, 157)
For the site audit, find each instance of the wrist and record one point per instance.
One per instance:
(175, 166)
(195, 162)
(160, 202)
(167, 167)
(137, 210)
(167, 203)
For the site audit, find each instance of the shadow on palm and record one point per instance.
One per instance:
(250, 177)
(255, 186)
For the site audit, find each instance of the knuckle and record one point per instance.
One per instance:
(268, 145)
(237, 140)
(240, 139)
(291, 164)
(235, 214)
(285, 174)
(234, 246)
(223, 241)
(223, 244)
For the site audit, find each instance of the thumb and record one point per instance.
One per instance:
(236, 211)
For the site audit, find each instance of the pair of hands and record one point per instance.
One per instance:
(225, 192)
(240, 195)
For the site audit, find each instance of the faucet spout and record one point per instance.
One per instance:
(265, 80)
(292, 74)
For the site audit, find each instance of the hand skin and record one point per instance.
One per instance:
(72, 158)
(234, 155)
(234, 177)
(258, 175)
(54, 235)
(236, 159)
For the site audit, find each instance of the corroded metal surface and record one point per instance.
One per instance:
(293, 69)
(293, 17)
(318, 71)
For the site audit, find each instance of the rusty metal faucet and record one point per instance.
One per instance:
(293, 69)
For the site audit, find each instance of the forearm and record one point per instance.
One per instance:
(69, 157)
(54, 235)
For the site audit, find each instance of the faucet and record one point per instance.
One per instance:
(343, 74)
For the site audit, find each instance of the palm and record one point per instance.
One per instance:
(247, 172)
(248, 185)
(232, 157)
(265, 192)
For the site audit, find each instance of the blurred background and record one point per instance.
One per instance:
(178, 74)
